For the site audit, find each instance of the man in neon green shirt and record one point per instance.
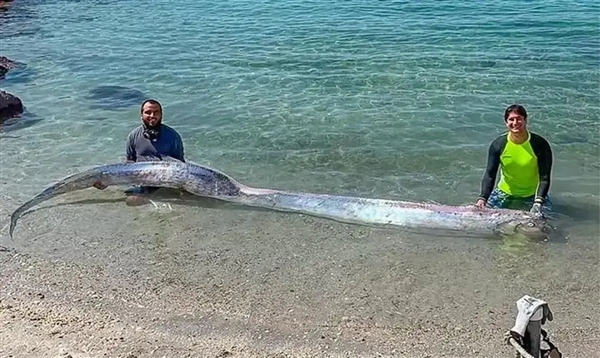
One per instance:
(525, 162)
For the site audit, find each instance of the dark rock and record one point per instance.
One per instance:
(10, 106)
(5, 4)
(6, 64)
(26, 120)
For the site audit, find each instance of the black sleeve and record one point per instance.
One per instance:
(130, 148)
(491, 170)
(180, 149)
(543, 151)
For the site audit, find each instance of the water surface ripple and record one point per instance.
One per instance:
(383, 99)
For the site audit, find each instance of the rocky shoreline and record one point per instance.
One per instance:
(11, 106)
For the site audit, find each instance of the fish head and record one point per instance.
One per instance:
(532, 225)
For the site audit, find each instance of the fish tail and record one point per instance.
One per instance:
(63, 186)
(19, 212)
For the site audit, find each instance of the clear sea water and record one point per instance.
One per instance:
(390, 99)
(386, 99)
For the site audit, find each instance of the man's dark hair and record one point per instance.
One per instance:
(151, 101)
(513, 108)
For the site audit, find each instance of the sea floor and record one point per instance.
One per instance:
(88, 276)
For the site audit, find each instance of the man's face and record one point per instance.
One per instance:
(151, 115)
(516, 123)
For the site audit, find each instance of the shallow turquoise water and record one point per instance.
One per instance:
(385, 99)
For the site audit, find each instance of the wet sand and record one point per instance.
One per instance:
(99, 279)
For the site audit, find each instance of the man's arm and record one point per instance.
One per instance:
(179, 150)
(491, 170)
(545, 159)
(130, 149)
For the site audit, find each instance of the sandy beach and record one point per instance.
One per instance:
(87, 276)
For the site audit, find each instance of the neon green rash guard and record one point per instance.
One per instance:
(524, 168)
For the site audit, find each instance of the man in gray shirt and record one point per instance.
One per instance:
(150, 141)
(153, 140)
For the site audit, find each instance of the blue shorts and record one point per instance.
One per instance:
(500, 200)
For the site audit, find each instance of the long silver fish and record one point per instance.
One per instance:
(207, 182)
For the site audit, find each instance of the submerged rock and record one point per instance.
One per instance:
(115, 97)
(16, 69)
(6, 64)
(10, 106)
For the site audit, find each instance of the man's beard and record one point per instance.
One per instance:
(152, 131)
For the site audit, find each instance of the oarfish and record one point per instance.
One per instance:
(207, 182)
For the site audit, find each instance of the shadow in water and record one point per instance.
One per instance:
(164, 195)
(26, 120)
(17, 75)
(95, 118)
(569, 215)
(577, 211)
(115, 97)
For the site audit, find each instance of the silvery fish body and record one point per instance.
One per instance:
(207, 182)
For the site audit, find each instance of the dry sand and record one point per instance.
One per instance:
(99, 279)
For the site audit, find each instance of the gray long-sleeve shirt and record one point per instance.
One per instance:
(168, 144)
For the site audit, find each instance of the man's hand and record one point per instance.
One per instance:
(480, 203)
(99, 185)
(536, 208)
